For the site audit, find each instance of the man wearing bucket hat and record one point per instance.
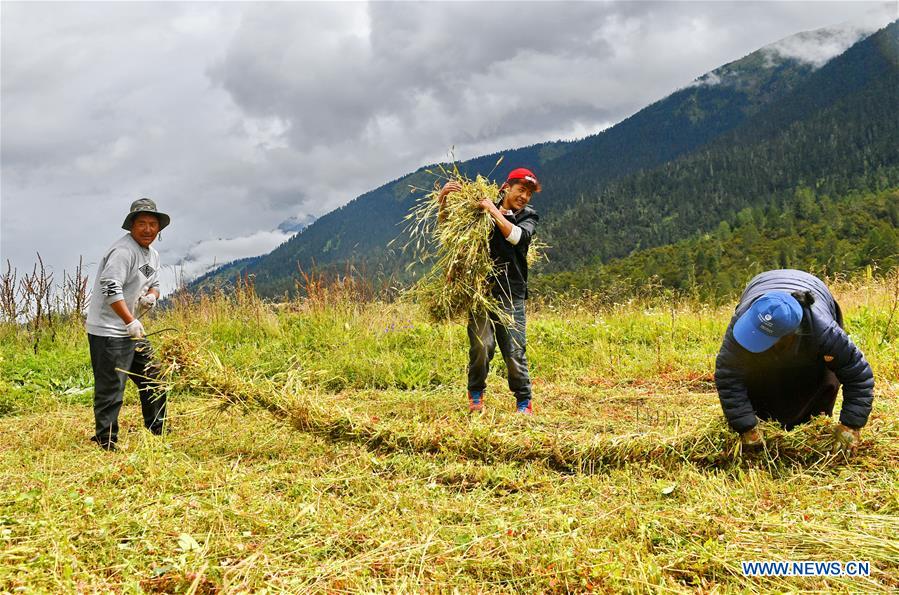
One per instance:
(785, 355)
(126, 287)
(514, 224)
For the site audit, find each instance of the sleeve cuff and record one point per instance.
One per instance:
(514, 236)
(744, 424)
(852, 421)
(111, 290)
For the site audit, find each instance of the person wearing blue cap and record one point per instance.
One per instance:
(784, 357)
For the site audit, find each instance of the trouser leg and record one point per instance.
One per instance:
(481, 347)
(512, 341)
(110, 357)
(792, 406)
(819, 400)
(145, 373)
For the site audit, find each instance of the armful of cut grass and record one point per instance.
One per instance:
(455, 235)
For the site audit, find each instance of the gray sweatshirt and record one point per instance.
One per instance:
(126, 272)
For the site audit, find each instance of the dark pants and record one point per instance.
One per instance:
(484, 333)
(113, 360)
(791, 403)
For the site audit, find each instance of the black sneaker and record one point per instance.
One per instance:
(105, 445)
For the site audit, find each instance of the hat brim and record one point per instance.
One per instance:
(750, 337)
(164, 219)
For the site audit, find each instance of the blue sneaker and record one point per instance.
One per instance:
(474, 401)
(524, 407)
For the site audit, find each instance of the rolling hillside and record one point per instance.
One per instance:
(748, 134)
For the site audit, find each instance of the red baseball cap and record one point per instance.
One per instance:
(525, 174)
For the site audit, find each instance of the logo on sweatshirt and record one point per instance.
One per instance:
(147, 270)
(110, 287)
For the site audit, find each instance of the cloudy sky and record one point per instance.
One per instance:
(237, 116)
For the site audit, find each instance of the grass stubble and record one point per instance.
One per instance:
(276, 478)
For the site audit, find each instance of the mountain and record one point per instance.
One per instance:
(813, 232)
(748, 133)
(834, 132)
(203, 258)
(296, 224)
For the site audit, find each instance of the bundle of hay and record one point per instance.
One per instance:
(188, 365)
(456, 239)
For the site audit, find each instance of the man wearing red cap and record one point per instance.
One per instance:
(514, 224)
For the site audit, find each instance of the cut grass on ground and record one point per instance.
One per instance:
(344, 460)
(241, 501)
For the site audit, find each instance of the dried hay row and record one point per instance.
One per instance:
(860, 540)
(713, 446)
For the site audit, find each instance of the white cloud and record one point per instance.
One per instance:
(710, 79)
(819, 47)
(206, 254)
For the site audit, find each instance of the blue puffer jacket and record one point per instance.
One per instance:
(822, 343)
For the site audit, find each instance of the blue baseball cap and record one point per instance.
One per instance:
(769, 318)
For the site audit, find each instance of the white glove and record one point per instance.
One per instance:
(752, 438)
(148, 301)
(136, 329)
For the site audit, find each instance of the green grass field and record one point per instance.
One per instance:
(328, 448)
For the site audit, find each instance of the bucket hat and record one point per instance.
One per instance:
(145, 205)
